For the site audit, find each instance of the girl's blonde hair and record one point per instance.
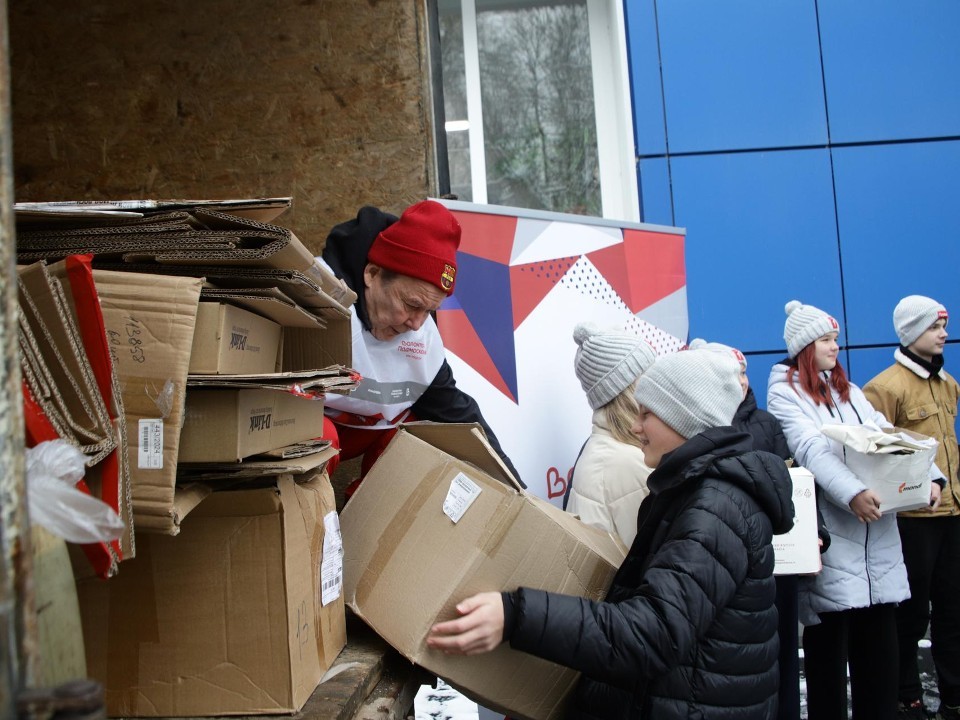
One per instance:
(621, 414)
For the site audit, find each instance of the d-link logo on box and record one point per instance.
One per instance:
(238, 341)
(259, 422)
(904, 487)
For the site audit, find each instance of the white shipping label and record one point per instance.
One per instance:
(463, 491)
(331, 564)
(150, 441)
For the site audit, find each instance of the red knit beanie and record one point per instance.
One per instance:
(422, 244)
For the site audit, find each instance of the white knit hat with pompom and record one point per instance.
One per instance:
(608, 361)
(805, 323)
(701, 344)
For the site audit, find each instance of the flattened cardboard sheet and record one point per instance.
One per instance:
(150, 322)
(270, 303)
(56, 365)
(260, 209)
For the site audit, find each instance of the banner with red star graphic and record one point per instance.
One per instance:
(525, 279)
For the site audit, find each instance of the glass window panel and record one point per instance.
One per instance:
(538, 120)
(536, 90)
(455, 99)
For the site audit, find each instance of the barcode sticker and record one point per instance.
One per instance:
(150, 445)
(331, 564)
(463, 491)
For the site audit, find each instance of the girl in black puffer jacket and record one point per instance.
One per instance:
(767, 435)
(688, 628)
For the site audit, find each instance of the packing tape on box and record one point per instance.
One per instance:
(150, 397)
(394, 531)
(494, 533)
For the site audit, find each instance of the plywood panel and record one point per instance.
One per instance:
(322, 100)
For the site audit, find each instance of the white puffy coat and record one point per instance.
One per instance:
(609, 483)
(864, 563)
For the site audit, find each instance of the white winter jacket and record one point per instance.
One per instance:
(609, 483)
(864, 563)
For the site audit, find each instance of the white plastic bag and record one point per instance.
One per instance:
(874, 441)
(896, 465)
(53, 469)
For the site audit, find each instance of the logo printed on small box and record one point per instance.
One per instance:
(260, 422)
(238, 341)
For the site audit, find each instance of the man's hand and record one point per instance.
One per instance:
(478, 630)
(866, 506)
(935, 496)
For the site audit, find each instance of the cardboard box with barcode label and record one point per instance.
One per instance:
(439, 518)
(242, 613)
(798, 551)
(231, 340)
(228, 424)
(149, 321)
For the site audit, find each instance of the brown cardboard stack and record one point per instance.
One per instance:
(224, 611)
(156, 266)
(71, 390)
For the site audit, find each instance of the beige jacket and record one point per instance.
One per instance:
(911, 399)
(609, 483)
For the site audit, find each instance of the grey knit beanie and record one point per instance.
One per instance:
(701, 344)
(608, 361)
(805, 323)
(913, 315)
(692, 390)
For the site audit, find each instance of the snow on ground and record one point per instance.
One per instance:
(445, 703)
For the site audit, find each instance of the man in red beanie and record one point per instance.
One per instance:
(402, 270)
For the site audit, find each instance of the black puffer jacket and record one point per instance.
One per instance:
(346, 252)
(688, 629)
(768, 435)
(762, 426)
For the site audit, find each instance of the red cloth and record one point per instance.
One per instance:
(355, 442)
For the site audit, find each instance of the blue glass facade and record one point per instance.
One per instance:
(811, 149)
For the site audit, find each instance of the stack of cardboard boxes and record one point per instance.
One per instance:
(234, 603)
(224, 333)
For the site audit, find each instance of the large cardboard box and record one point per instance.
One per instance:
(798, 551)
(231, 340)
(439, 518)
(229, 424)
(228, 617)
